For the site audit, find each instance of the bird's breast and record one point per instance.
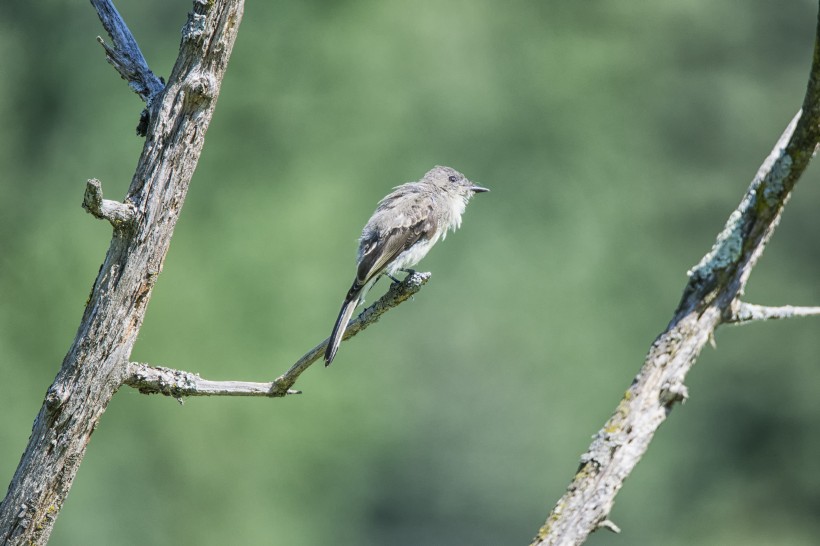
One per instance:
(412, 255)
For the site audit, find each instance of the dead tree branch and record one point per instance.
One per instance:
(179, 384)
(127, 59)
(97, 362)
(709, 300)
(125, 55)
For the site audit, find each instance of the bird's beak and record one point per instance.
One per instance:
(479, 189)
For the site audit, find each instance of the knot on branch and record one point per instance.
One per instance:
(200, 90)
(673, 392)
(56, 397)
(203, 86)
(121, 215)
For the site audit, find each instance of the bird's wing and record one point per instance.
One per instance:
(379, 249)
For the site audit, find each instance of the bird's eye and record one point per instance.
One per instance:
(453, 178)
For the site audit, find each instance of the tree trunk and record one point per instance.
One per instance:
(96, 363)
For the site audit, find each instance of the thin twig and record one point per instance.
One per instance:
(397, 293)
(743, 313)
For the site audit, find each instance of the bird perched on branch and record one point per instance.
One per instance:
(406, 225)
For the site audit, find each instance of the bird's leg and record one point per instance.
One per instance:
(391, 277)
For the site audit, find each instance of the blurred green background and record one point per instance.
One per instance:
(616, 137)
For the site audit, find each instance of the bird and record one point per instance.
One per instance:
(406, 224)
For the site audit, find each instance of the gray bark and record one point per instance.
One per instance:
(711, 298)
(97, 362)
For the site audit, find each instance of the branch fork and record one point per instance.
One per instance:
(125, 54)
(127, 59)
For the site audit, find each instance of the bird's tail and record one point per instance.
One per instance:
(351, 301)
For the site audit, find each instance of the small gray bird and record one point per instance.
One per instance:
(406, 225)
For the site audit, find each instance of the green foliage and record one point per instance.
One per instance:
(616, 137)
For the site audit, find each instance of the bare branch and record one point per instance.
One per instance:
(178, 384)
(714, 286)
(121, 215)
(397, 293)
(125, 55)
(728, 247)
(743, 313)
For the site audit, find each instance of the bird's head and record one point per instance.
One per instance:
(452, 181)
